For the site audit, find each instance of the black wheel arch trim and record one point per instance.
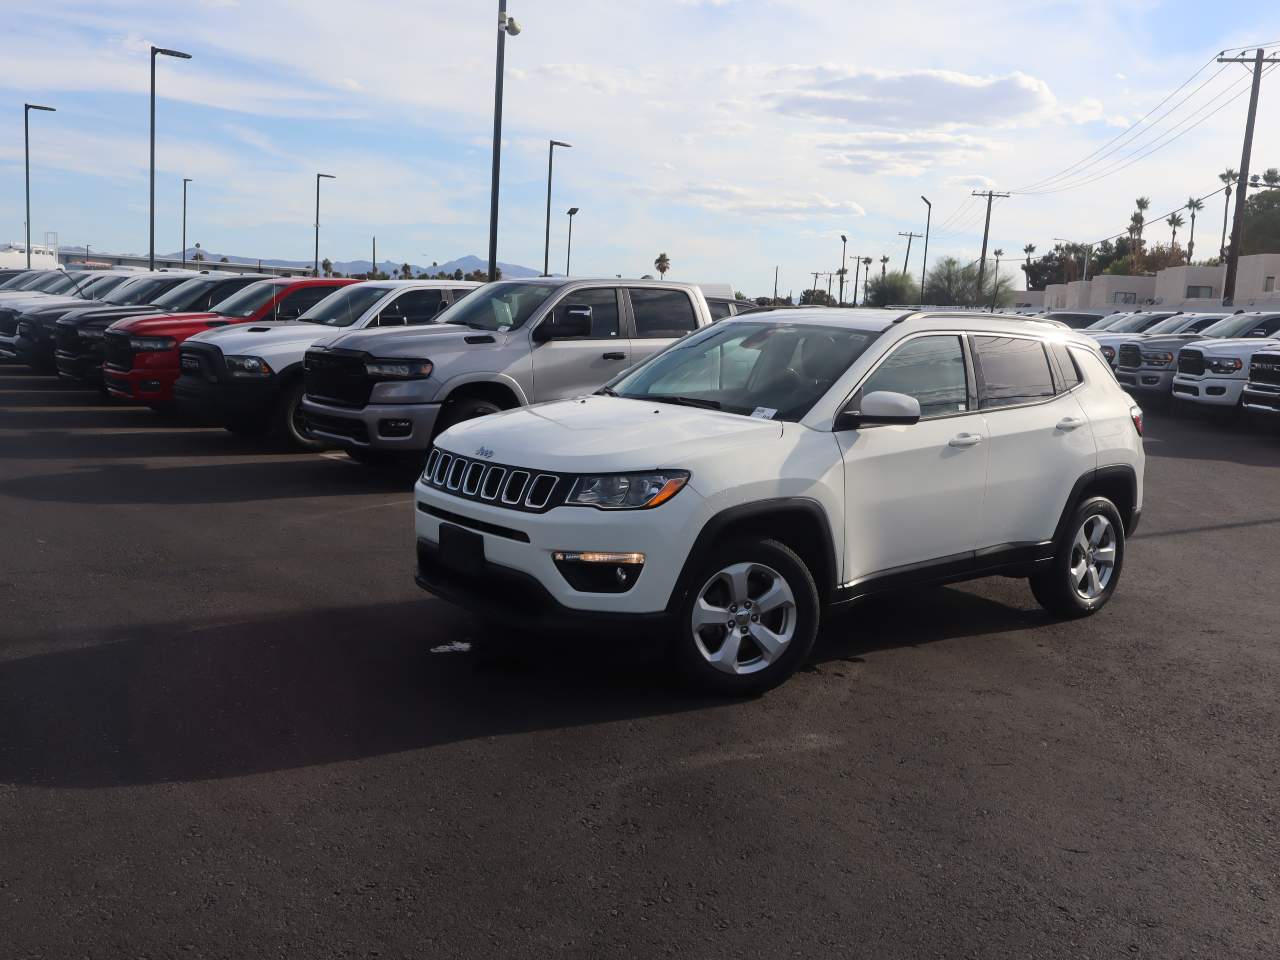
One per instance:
(1122, 472)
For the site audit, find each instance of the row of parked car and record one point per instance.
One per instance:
(1222, 361)
(623, 454)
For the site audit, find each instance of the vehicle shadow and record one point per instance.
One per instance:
(208, 700)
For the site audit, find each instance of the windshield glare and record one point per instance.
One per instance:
(104, 285)
(344, 307)
(498, 306)
(1107, 322)
(1231, 325)
(1132, 324)
(137, 290)
(774, 370)
(55, 283)
(184, 294)
(247, 301)
(16, 282)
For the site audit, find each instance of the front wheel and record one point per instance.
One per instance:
(1086, 563)
(467, 408)
(288, 423)
(751, 621)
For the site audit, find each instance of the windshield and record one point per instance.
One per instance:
(184, 294)
(248, 300)
(345, 307)
(53, 283)
(1107, 322)
(498, 306)
(16, 282)
(757, 368)
(1231, 326)
(137, 290)
(1135, 323)
(104, 285)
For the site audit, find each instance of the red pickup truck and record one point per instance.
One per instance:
(141, 354)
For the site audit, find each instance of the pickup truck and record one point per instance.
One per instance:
(141, 353)
(248, 377)
(1211, 375)
(1261, 399)
(74, 289)
(383, 393)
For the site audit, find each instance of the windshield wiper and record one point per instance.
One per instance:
(607, 392)
(684, 401)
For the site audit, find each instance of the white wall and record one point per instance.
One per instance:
(1105, 287)
(1251, 280)
(1055, 296)
(1172, 283)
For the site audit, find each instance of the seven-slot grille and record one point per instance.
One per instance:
(1129, 356)
(1191, 362)
(117, 352)
(515, 488)
(1265, 368)
(338, 378)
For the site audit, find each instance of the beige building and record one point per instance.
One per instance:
(1107, 291)
(1258, 281)
(1190, 288)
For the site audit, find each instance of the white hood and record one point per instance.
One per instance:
(279, 343)
(1233, 347)
(606, 434)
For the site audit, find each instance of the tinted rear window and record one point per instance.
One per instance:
(662, 313)
(1014, 371)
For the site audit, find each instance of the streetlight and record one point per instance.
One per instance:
(924, 261)
(157, 51)
(26, 151)
(546, 249)
(844, 247)
(322, 176)
(185, 181)
(506, 25)
(569, 249)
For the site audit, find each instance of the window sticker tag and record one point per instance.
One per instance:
(764, 413)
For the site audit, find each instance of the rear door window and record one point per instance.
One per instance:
(1014, 370)
(662, 313)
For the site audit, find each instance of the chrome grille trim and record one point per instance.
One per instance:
(441, 470)
(471, 480)
(453, 479)
(492, 484)
(542, 501)
(507, 498)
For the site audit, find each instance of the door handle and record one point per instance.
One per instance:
(615, 356)
(1070, 423)
(965, 440)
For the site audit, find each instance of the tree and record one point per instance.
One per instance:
(739, 295)
(1174, 220)
(884, 263)
(816, 297)
(457, 274)
(892, 288)
(1029, 249)
(327, 266)
(1228, 177)
(1194, 206)
(406, 271)
(662, 263)
(1261, 223)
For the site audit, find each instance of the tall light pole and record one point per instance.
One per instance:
(924, 261)
(26, 152)
(506, 26)
(546, 248)
(321, 176)
(156, 51)
(185, 181)
(1085, 249)
(844, 260)
(569, 249)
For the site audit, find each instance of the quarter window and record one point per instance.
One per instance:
(1014, 370)
(662, 313)
(719, 309)
(604, 310)
(931, 369)
(1066, 366)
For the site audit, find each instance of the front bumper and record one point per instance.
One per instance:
(377, 426)
(1261, 400)
(78, 366)
(510, 558)
(150, 385)
(1145, 379)
(223, 401)
(1209, 390)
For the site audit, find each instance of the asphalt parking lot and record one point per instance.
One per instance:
(224, 733)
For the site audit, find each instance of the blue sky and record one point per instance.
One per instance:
(732, 134)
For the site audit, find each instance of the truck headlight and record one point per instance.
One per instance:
(399, 369)
(627, 491)
(92, 333)
(1225, 365)
(152, 344)
(1109, 353)
(1157, 359)
(248, 367)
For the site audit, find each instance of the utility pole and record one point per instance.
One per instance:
(775, 286)
(844, 264)
(907, 259)
(857, 272)
(924, 261)
(815, 281)
(373, 268)
(1242, 192)
(986, 230)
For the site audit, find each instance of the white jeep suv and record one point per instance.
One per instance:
(730, 487)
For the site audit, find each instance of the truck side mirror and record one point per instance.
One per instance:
(574, 323)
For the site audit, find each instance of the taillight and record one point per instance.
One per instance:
(1135, 414)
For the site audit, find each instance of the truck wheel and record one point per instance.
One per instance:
(467, 408)
(1086, 563)
(751, 620)
(286, 419)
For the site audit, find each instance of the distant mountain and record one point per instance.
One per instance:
(466, 264)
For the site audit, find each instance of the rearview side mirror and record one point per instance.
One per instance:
(573, 323)
(878, 407)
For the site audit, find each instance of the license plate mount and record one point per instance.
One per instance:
(461, 550)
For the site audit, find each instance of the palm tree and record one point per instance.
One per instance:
(1029, 249)
(1174, 220)
(1135, 231)
(1228, 177)
(1193, 205)
(884, 263)
(866, 278)
(662, 264)
(995, 277)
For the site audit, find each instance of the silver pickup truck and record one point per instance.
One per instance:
(381, 393)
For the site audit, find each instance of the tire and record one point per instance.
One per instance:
(736, 575)
(466, 408)
(1074, 585)
(286, 423)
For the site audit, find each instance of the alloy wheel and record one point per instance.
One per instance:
(744, 618)
(1093, 557)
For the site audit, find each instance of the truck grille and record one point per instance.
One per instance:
(1265, 368)
(116, 350)
(337, 378)
(66, 339)
(1129, 356)
(8, 322)
(1191, 362)
(498, 485)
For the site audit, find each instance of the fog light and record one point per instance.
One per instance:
(396, 427)
(599, 571)
(597, 557)
(1150, 381)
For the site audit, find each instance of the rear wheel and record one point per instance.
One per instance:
(1086, 563)
(752, 620)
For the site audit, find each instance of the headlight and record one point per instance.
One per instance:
(1225, 365)
(628, 491)
(1157, 359)
(1109, 353)
(398, 369)
(150, 344)
(248, 367)
(92, 333)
